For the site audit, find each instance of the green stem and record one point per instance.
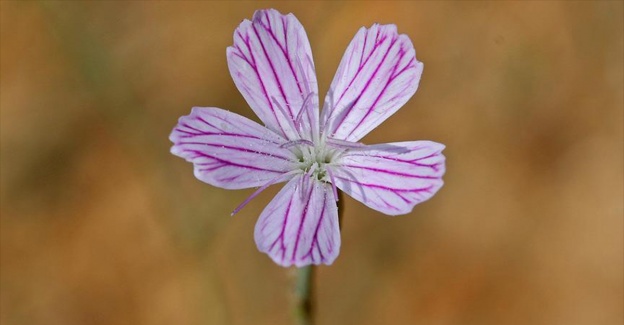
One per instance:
(304, 293)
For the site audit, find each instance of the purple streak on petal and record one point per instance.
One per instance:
(391, 178)
(216, 130)
(283, 46)
(381, 93)
(280, 87)
(280, 44)
(370, 87)
(258, 151)
(228, 150)
(386, 188)
(295, 231)
(315, 241)
(363, 61)
(260, 109)
(306, 179)
(281, 237)
(198, 154)
(388, 171)
(341, 120)
(270, 45)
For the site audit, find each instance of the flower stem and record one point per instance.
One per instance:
(304, 293)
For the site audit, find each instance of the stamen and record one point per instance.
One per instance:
(312, 169)
(342, 144)
(333, 182)
(286, 113)
(302, 186)
(329, 98)
(303, 108)
(313, 111)
(297, 142)
(302, 72)
(275, 180)
(306, 177)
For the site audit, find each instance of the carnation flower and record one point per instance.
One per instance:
(315, 152)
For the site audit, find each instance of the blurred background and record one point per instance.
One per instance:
(100, 224)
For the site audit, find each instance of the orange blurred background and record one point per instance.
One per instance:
(100, 224)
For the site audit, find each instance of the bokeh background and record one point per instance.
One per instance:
(100, 224)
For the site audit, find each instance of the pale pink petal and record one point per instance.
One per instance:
(300, 225)
(377, 75)
(228, 150)
(271, 64)
(391, 178)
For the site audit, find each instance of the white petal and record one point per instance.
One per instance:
(271, 64)
(377, 75)
(228, 150)
(300, 225)
(391, 178)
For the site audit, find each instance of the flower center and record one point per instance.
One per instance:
(312, 160)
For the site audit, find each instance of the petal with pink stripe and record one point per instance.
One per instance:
(272, 66)
(300, 225)
(228, 150)
(377, 75)
(391, 178)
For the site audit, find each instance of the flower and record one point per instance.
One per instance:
(314, 152)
